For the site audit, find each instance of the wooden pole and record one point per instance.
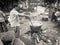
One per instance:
(57, 4)
(50, 11)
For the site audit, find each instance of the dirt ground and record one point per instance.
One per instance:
(52, 28)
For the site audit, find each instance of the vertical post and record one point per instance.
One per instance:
(57, 4)
(50, 11)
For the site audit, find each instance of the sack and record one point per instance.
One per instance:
(17, 41)
(8, 36)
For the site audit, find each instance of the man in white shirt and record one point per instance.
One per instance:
(14, 19)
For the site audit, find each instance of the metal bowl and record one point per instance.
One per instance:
(35, 26)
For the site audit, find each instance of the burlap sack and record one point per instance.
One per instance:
(17, 41)
(7, 36)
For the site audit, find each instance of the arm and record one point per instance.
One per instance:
(23, 15)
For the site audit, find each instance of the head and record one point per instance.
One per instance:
(20, 10)
(16, 7)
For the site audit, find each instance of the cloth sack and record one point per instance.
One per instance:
(8, 36)
(17, 41)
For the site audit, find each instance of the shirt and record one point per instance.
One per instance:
(14, 18)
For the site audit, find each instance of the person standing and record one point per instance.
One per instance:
(14, 19)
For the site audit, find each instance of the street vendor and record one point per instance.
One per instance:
(14, 19)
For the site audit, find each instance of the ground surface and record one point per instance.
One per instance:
(53, 30)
